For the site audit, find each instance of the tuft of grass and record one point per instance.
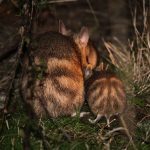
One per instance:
(133, 61)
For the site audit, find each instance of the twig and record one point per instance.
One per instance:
(56, 1)
(108, 134)
(91, 8)
(127, 132)
(143, 119)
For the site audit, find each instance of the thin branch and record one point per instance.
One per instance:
(56, 1)
(92, 10)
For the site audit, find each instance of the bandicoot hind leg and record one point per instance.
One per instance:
(108, 121)
(81, 114)
(95, 120)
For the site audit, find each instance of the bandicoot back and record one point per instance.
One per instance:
(106, 95)
(55, 84)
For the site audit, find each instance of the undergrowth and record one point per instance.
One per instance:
(65, 133)
(132, 64)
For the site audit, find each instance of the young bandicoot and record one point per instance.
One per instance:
(106, 95)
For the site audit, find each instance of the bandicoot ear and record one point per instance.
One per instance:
(62, 29)
(84, 36)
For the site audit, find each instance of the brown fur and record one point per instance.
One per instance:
(60, 89)
(88, 51)
(106, 94)
(89, 54)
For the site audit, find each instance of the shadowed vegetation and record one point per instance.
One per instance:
(129, 59)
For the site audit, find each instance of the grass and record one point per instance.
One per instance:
(76, 134)
(66, 133)
(133, 60)
(132, 64)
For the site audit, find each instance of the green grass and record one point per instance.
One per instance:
(66, 133)
(80, 135)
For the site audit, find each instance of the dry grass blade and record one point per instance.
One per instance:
(111, 56)
(134, 61)
(117, 56)
(135, 65)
